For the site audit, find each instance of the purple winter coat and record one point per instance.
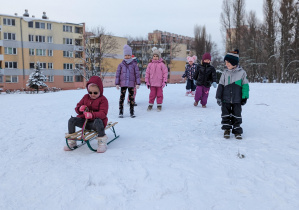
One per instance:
(127, 75)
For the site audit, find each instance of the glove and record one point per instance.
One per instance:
(117, 87)
(148, 86)
(219, 102)
(137, 86)
(87, 115)
(82, 108)
(243, 101)
(214, 84)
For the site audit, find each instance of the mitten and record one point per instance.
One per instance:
(243, 101)
(137, 86)
(87, 115)
(82, 108)
(163, 85)
(117, 87)
(214, 84)
(148, 85)
(219, 102)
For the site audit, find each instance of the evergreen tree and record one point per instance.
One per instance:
(36, 78)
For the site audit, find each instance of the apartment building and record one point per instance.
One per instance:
(26, 40)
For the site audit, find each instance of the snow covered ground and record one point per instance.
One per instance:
(176, 159)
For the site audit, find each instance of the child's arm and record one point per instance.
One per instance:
(245, 86)
(220, 87)
(137, 75)
(81, 102)
(103, 110)
(147, 74)
(165, 74)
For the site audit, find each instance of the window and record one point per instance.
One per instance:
(78, 54)
(30, 24)
(67, 41)
(78, 78)
(50, 39)
(50, 52)
(68, 78)
(10, 51)
(31, 38)
(11, 79)
(31, 51)
(31, 65)
(50, 78)
(67, 66)
(40, 38)
(9, 22)
(41, 52)
(42, 65)
(78, 30)
(11, 65)
(49, 26)
(40, 25)
(50, 65)
(1, 79)
(9, 36)
(68, 54)
(67, 28)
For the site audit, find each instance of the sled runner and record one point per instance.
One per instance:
(85, 136)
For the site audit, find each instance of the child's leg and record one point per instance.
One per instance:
(188, 86)
(96, 125)
(131, 98)
(205, 95)
(159, 95)
(121, 99)
(135, 91)
(237, 118)
(198, 93)
(193, 86)
(152, 95)
(73, 122)
(226, 116)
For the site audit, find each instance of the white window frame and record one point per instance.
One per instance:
(50, 65)
(10, 51)
(42, 65)
(50, 78)
(39, 38)
(13, 79)
(67, 28)
(31, 38)
(9, 36)
(68, 54)
(40, 25)
(67, 41)
(40, 52)
(9, 22)
(50, 52)
(50, 39)
(31, 51)
(49, 26)
(67, 66)
(10, 64)
(68, 78)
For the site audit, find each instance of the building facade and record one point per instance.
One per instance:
(26, 40)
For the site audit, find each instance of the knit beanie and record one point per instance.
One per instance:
(193, 58)
(206, 56)
(127, 50)
(232, 57)
(157, 51)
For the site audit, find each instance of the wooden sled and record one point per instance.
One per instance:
(85, 136)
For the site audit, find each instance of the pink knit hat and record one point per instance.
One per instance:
(193, 58)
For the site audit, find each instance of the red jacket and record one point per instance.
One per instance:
(99, 106)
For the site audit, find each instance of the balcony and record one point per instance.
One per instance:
(78, 48)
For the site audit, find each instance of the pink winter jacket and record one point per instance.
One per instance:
(156, 73)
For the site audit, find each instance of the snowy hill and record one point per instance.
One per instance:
(175, 159)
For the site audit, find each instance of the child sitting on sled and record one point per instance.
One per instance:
(93, 107)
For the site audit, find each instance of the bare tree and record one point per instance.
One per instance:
(98, 45)
(226, 24)
(203, 42)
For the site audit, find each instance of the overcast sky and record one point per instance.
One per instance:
(133, 17)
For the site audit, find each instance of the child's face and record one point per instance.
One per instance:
(94, 92)
(190, 62)
(229, 65)
(155, 57)
(128, 56)
(206, 61)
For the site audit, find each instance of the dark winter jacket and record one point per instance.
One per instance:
(205, 75)
(233, 86)
(189, 71)
(99, 106)
(127, 75)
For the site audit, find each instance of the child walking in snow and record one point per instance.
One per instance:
(127, 77)
(94, 107)
(232, 93)
(156, 78)
(189, 72)
(205, 76)
(135, 90)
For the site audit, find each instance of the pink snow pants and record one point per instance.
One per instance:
(202, 94)
(156, 92)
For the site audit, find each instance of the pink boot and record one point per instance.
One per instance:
(102, 144)
(72, 144)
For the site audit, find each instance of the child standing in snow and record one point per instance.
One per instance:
(205, 76)
(232, 93)
(156, 78)
(94, 107)
(127, 77)
(189, 72)
(135, 90)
